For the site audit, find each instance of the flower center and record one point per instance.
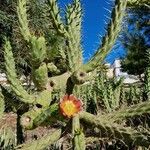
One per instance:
(70, 105)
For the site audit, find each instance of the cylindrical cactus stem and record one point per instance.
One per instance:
(110, 37)
(56, 18)
(53, 69)
(38, 116)
(40, 77)
(59, 82)
(112, 130)
(148, 83)
(43, 142)
(36, 48)
(79, 139)
(135, 110)
(12, 76)
(147, 78)
(43, 98)
(22, 16)
(79, 77)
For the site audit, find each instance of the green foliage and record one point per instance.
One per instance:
(135, 41)
(101, 93)
(135, 62)
(56, 68)
(109, 91)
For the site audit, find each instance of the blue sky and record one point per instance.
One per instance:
(93, 26)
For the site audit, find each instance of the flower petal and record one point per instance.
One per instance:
(70, 105)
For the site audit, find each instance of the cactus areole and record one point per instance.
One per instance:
(70, 106)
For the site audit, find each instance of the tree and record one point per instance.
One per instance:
(135, 39)
(135, 62)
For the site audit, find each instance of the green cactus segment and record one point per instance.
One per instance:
(43, 142)
(111, 130)
(147, 77)
(53, 69)
(135, 110)
(28, 117)
(38, 50)
(37, 45)
(73, 21)
(109, 39)
(73, 27)
(39, 68)
(44, 98)
(71, 31)
(22, 16)
(109, 90)
(138, 3)
(60, 81)
(12, 76)
(56, 19)
(148, 82)
(47, 116)
(38, 116)
(80, 77)
(40, 77)
(79, 139)
(2, 104)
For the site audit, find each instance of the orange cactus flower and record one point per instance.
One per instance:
(70, 105)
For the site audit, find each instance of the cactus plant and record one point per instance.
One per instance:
(43, 109)
(147, 78)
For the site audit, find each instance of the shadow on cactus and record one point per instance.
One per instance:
(53, 80)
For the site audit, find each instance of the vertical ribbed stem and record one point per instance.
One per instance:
(146, 92)
(78, 140)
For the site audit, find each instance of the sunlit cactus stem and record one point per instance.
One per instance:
(148, 83)
(12, 75)
(36, 117)
(147, 78)
(109, 129)
(78, 135)
(37, 48)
